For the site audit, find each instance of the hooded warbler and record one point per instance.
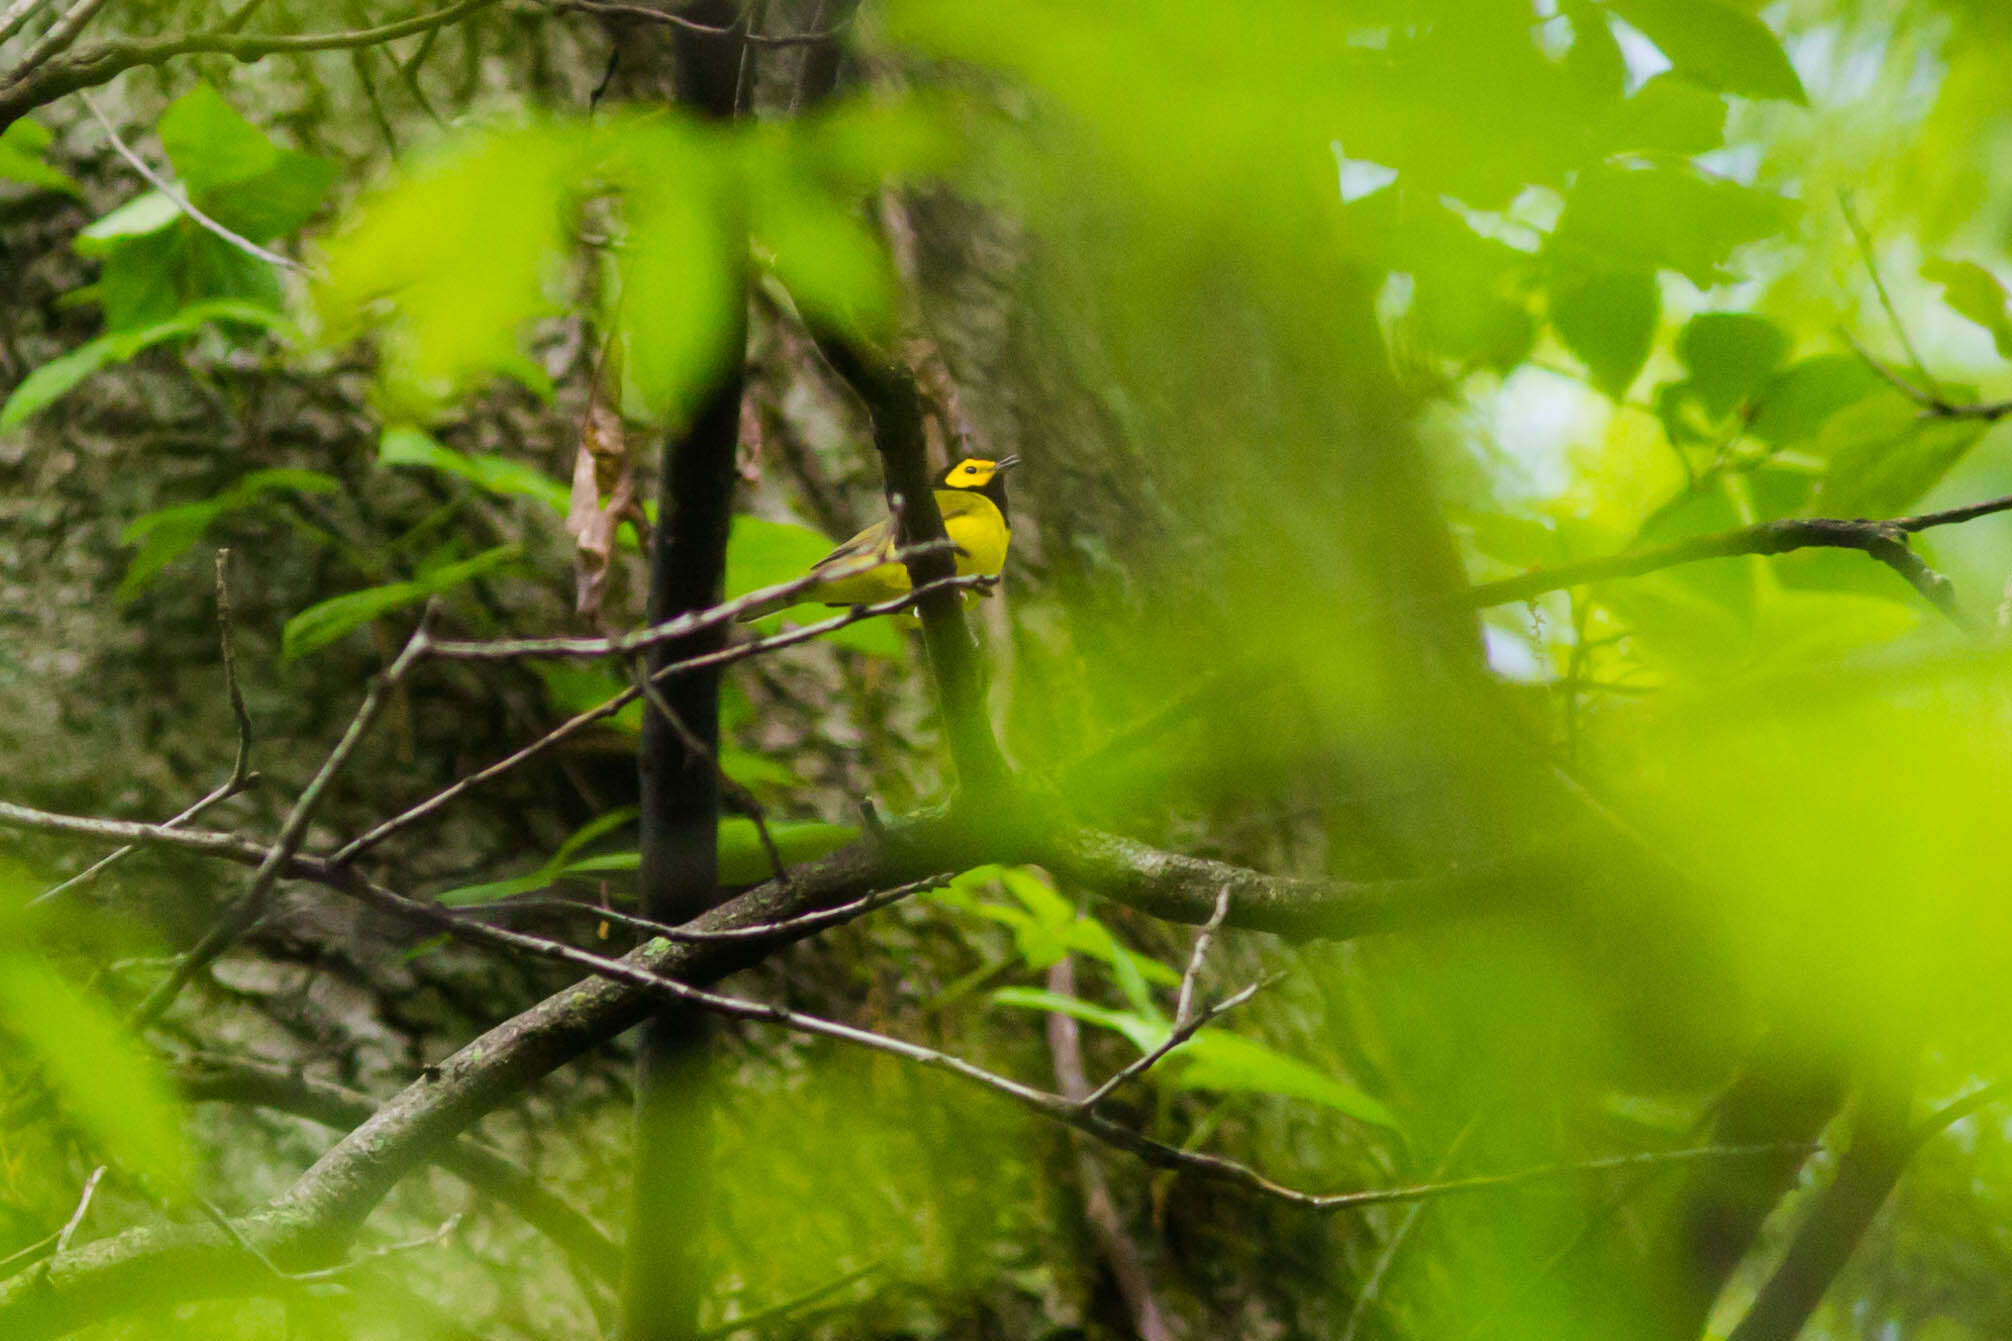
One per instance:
(971, 495)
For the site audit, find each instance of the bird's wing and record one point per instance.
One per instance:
(877, 539)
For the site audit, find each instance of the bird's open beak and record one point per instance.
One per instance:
(1005, 463)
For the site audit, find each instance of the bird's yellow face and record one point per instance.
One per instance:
(975, 472)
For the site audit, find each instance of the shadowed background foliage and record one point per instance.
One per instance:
(1303, 319)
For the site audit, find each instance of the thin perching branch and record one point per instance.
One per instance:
(572, 726)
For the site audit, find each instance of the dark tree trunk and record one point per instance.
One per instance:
(680, 791)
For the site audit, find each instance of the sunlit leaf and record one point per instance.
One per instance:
(550, 871)
(1670, 115)
(1975, 293)
(113, 1089)
(1883, 456)
(407, 446)
(744, 861)
(1144, 1033)
(1717, 45)
(54, 379)
(234, 173)
(146, 213)
(1223, 1062)
(1214, 1059)
(1665, 217)
(453, 259)
(22, 146)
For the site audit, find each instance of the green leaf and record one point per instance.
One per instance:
(1662, 217)
(1731, 355)
(833, 266)
(1608, 319)
(1144, 1033)
(573, 689)
(1223, 1062)
(165, 534)
(761, 553)
(1214, 1059)
(1975, 293)
(550, 871)
(452, 260)
(753, 770)
(743, 860)
(234, 173)
(1717, 45)
(1883, 456)
(149, 277)
(1797, 401)
(54, 379)
(138, 217)
(406, 446)
(105, 1081)
(321, 624)
(22, 145)
(1669, 115)
(680, 296)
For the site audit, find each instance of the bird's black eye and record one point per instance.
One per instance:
(970, 470)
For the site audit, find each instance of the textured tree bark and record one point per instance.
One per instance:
(680, 789)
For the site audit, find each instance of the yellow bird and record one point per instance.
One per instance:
(971, 495)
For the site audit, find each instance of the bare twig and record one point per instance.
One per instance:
(1053, 1106)
(1179, 1034)
(375, 1255)
(293, 831)
(180, 197)
(740, 28)
(1864, 241)
(1121, 1250)
(1933, 404)
(241, 778)
(76, 1220)
(50, 1246)
(35, 82)
(1184, 1003)
(785, 1308)
(743, 799)
(1884, 541)
(739, 652)
(1956, 1110)
(211, 1078)
(757, 931)
(61, 34)
(1372, 1285)
(240, 766)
